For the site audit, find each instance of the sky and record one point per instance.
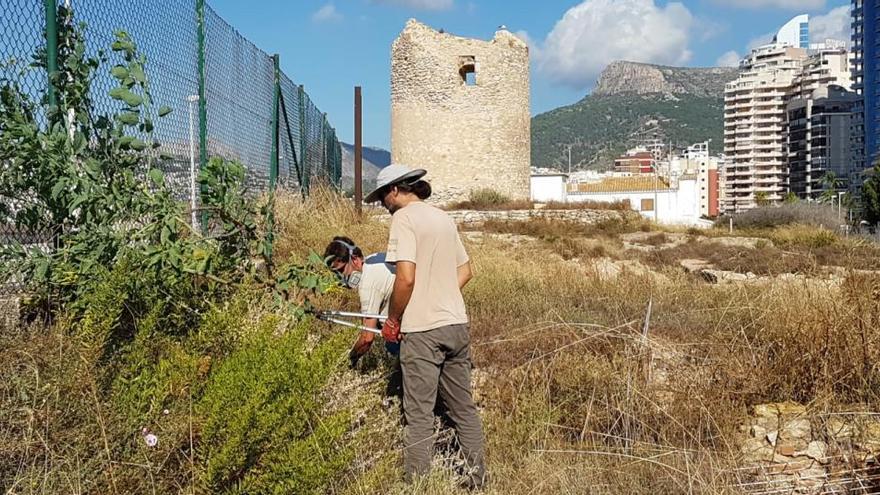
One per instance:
(332, 46)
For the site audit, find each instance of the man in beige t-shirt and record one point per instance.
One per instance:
(427, 315)
(427, 236)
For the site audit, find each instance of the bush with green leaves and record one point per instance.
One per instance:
(279, 440)
(95, 182)
(870, 197)
(154, 314)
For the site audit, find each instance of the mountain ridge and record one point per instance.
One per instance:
(632, 103)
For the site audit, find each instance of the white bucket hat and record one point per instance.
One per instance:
(391, 175)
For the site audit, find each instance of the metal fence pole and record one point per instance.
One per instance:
(51, 48)
(303, 141)
(273, 160)
(358, 152)
(324, 163)
(203, 107)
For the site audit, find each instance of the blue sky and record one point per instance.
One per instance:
(331, 46)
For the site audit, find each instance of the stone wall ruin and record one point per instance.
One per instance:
(460, 110)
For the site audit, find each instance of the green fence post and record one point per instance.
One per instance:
(273, 164)
(203, 107)
(303, 141)
(324, 161)
(51, 48)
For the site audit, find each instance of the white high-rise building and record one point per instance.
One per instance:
(754, 127)
(755, 111)
(823, 68)
(795, 33)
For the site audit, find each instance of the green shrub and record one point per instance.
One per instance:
(487, 197)
(490, 199)
(803, 236)
(264, 430)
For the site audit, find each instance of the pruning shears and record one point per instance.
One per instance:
(337, 318)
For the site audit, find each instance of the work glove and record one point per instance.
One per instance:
(391, 331)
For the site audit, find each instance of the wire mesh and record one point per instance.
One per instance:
(239, 93)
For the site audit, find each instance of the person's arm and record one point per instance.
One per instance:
(365, 339)
(465, 274)
(404, 281)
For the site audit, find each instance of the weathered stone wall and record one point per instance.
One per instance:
(586, 217)
(466, 137)
(787, 449)
(475, 218)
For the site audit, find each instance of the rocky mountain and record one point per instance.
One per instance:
(374, 159)
(633, 103)
(627, 78)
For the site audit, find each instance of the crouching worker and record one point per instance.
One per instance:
(374, 281)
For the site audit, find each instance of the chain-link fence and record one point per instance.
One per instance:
(228, 97)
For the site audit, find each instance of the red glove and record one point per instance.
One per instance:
(391, 331)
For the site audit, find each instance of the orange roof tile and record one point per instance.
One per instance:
(622, 184)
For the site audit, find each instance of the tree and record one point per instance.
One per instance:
(871, 195)
(762, 198)
(830, 183)
(790, 198)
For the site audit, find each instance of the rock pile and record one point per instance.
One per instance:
(787, 450)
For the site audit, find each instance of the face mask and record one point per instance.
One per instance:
(351, 281)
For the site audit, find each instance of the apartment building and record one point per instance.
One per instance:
(755, 145)
(819, 128)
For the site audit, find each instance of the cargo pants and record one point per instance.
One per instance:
(435, 361)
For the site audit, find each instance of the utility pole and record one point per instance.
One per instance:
(569, 159)
(358, 152)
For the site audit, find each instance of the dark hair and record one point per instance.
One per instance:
(338, 249)
(420, 188)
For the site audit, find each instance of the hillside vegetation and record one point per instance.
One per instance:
(632, 103)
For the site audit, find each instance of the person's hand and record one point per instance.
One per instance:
(391, 330)
(353, 358)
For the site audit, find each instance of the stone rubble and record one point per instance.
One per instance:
(475, 218)
(785, 449)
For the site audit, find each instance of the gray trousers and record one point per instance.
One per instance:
(435, 361)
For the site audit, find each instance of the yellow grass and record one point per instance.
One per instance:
(569, 387)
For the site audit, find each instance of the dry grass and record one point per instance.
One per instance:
(581, 390)
(814, 214)
(562, 366)
(764, 260)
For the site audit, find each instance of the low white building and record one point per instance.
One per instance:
(548, 186)
(676, 203)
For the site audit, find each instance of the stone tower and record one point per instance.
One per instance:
(460, 110)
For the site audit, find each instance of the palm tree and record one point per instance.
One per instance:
(871, 196)
(830, 183)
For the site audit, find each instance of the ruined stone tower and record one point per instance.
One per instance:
(460, 110)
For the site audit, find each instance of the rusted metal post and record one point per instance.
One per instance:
(358, 152)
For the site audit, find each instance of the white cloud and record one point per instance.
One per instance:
(833, 25)
(729, 59)
(781, 4)
(327, 13)
(597, 32)
(761, 40)
(420, 4)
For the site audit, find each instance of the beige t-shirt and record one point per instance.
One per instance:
(377, 282)
(428, 237)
